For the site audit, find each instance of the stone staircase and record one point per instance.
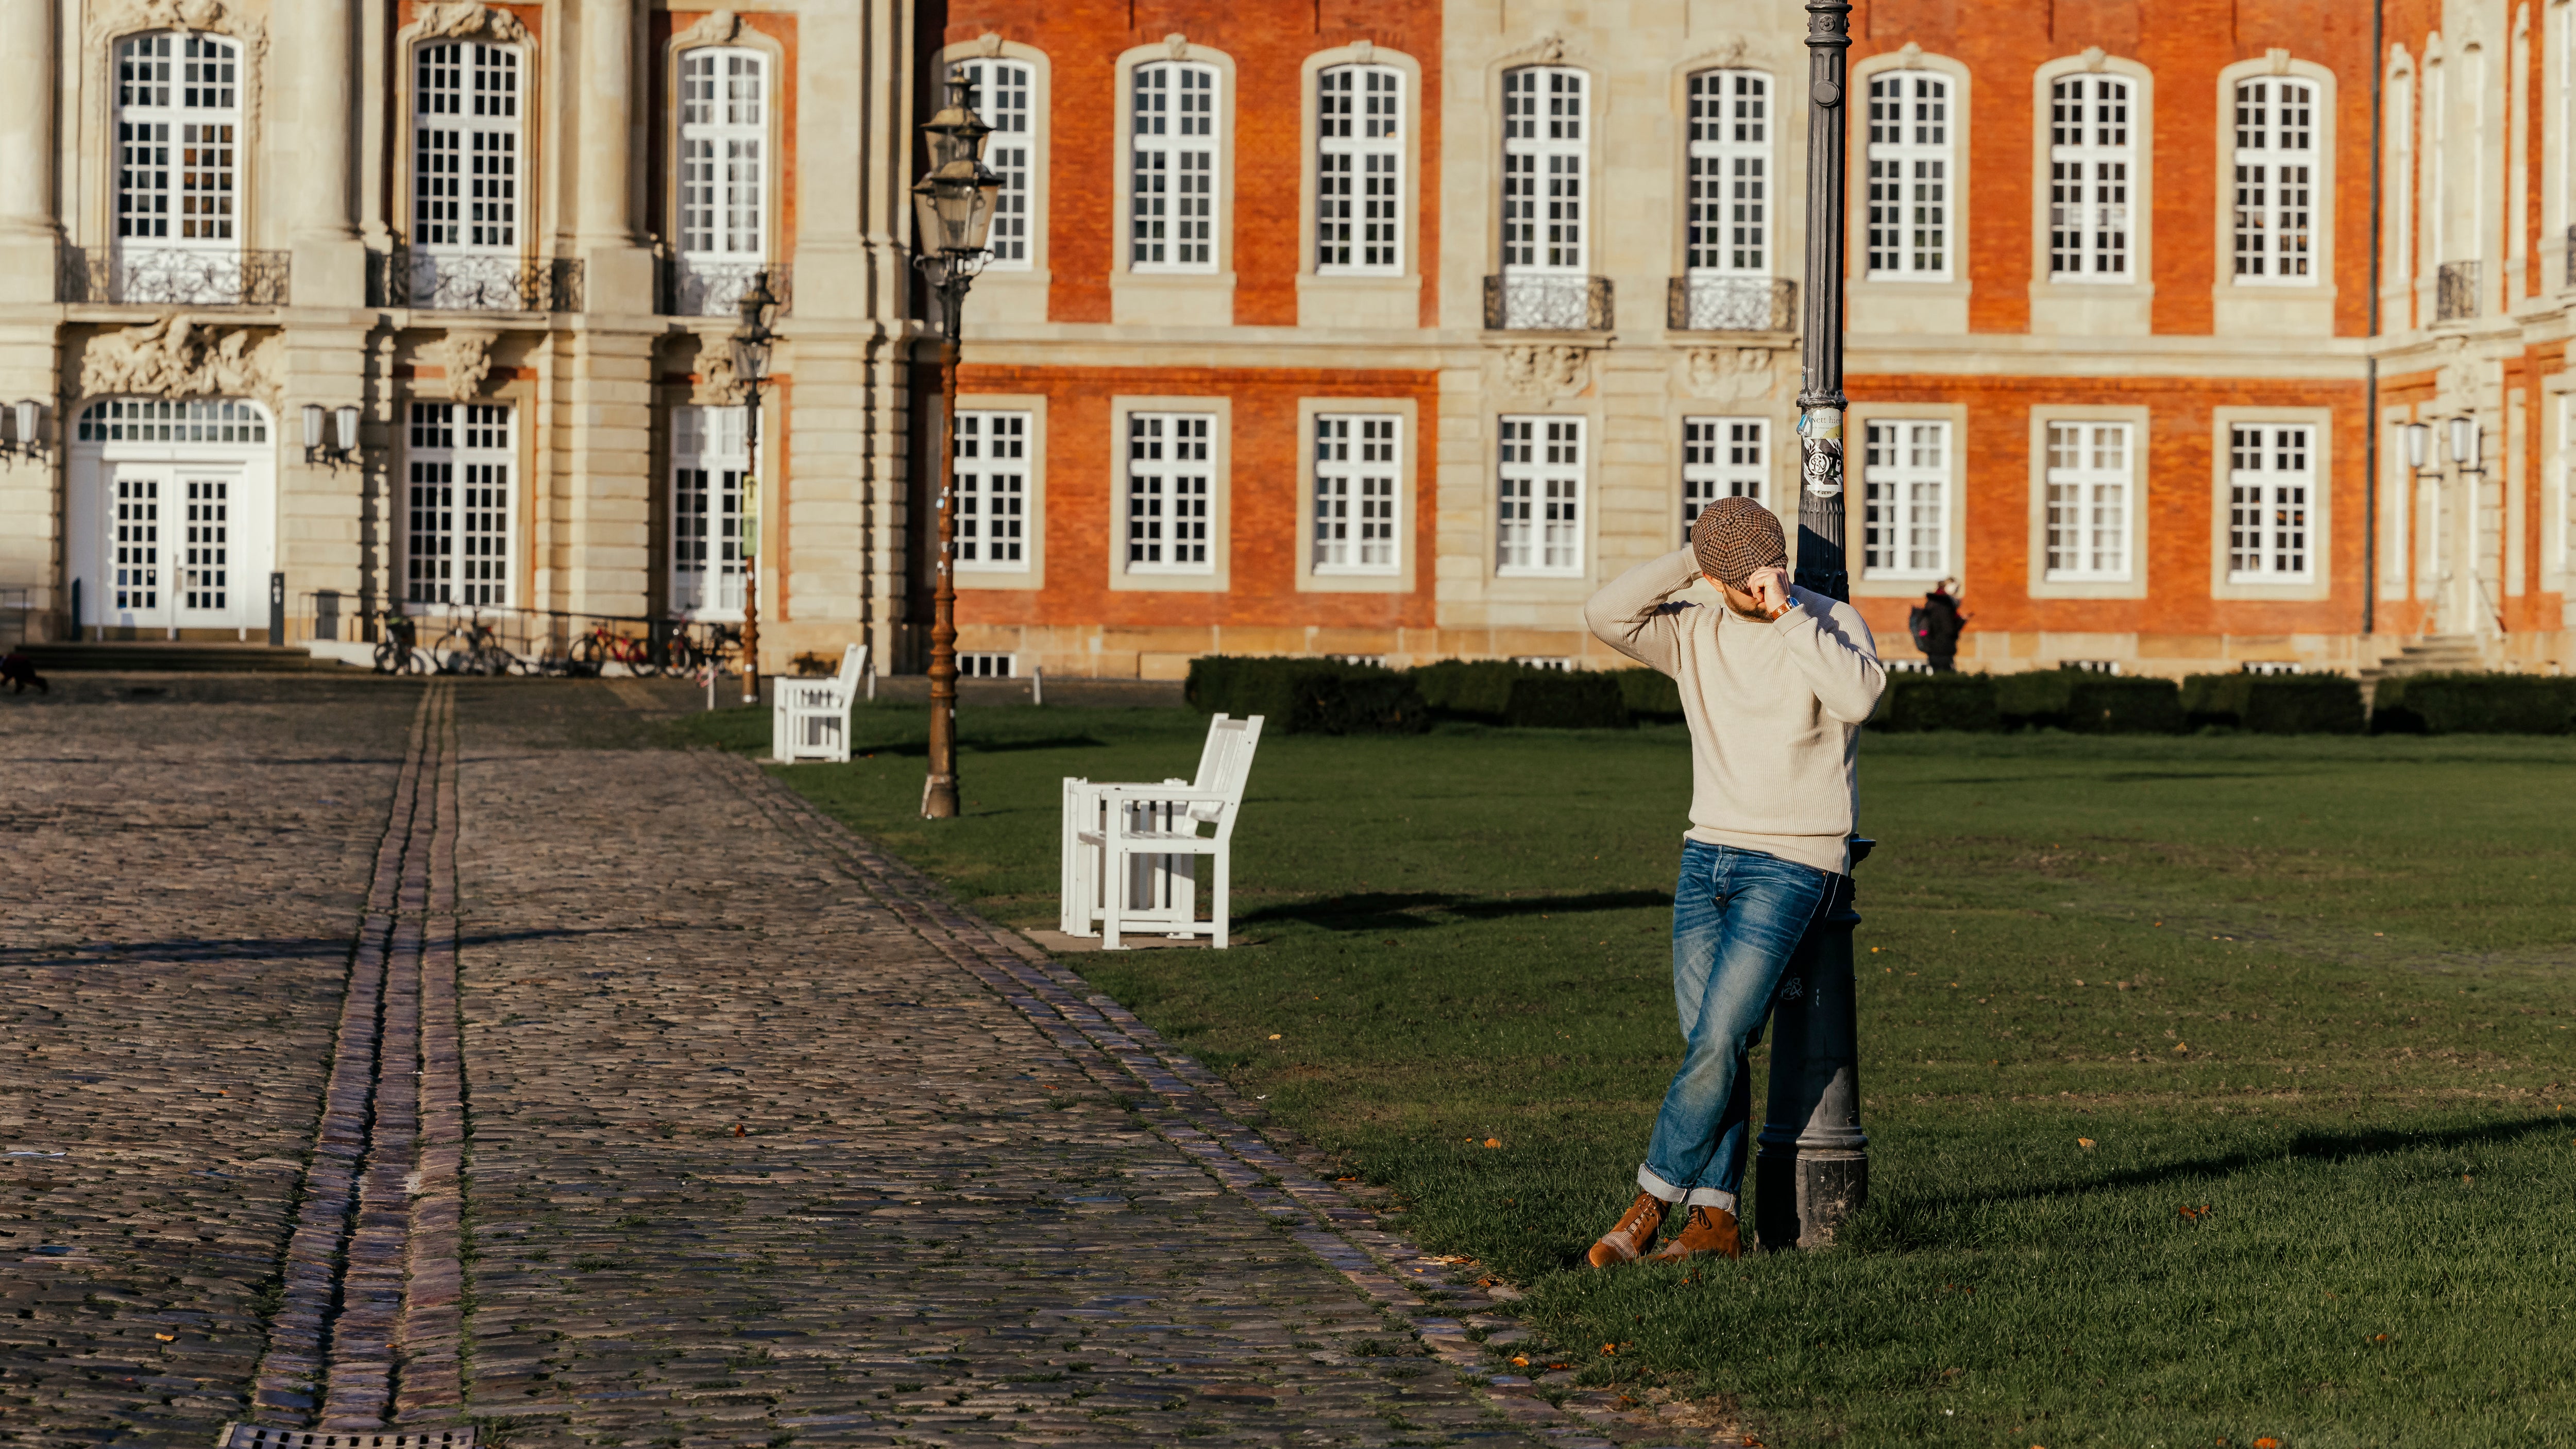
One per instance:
(2432, 654)
(172, 657)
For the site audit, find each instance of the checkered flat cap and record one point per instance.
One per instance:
(1734, 536)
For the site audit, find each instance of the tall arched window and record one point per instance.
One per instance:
(2275, 173)
(1547, 255)
(1172, 186)
(1726, 239)
(1911, 161)
(1359, 170)
(724, 176)
(178, 160)
(2090, 154)
(466, 179)
(1002, 97)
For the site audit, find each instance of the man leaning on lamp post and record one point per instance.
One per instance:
(1775, 683)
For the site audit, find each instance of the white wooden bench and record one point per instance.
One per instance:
(809, 719)
(1146, 838)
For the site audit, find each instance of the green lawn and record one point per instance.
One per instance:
(2316, 987)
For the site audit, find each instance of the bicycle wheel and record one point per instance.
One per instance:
(639, 658)
(453, 653)
(680, 654)
(586, 656)
(391, 657)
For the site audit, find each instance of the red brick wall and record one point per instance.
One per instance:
(1269, 43)
(2185, 43)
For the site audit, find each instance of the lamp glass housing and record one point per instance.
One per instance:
(29, 416)
(345, 429)
(750, 359)
(312, 425)
(2419, 443)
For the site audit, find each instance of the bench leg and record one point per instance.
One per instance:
(1219, 902)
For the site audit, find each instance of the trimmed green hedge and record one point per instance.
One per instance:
(1938, 702)
(2089, 703)
(1560, 699)
(1469, 689)
(1308, 696)
(2474, 704)
(1650, 694)
(2274, 704)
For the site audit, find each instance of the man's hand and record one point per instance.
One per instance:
(1771, 587)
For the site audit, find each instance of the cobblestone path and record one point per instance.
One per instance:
(763, 1140)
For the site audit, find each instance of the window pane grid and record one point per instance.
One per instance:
(2269, 480)
(2275, 165)
(1539, 503)
(178, 161)
(1909, 160)
(2089, 156)
(724, 148)
(1355, 494)
(1727, 188)
(1544, 143)
(457, 504)
(1170, 479)
(1722, 458)
(1002, 98)
(710, 461)
(1905, 497)
(992, 491)
(1359, 171)
(1171, 224)
(465, 147)
(2087, 504)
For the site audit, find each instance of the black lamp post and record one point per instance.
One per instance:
(751, 346)
(952, 214)
(1814, 1159)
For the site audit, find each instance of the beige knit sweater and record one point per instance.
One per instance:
(1775, 708)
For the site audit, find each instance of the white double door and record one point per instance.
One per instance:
(176, 548)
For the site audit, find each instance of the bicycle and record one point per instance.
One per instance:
(397, 650)
(599, 648)
(471, 647)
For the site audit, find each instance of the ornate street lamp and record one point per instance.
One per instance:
(952, 213)
(751, 346)
(1814, 1159)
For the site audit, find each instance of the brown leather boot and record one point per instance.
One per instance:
(1634, 1234)
(1708, 1230)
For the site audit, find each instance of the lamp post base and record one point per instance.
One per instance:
(939, 798)
(1812, 1165)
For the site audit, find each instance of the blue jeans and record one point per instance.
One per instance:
(1738, 916)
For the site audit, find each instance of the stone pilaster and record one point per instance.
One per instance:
(605, 548)
(601, 157)
(312, 78)
(28, 230)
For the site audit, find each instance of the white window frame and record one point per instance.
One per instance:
(2091, 480)
(467, 448)
(724, 190)
(1176, 123)
(1547, 165)
(1909, 149)
(477, 127)
(1356, 494)
(2093, 177)
(1730, 206)
(1723, 457)
(1541, 503)
(180, 143)
(710, 464)
(994, 493)
(2275, 120)
(1360, 185)
(1908, 498)
(1006, 96)
(1168, 493)
(2271, 502)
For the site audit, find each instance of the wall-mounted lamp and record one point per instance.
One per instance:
(2419, 445)
(2466, 437)
(341, 446)
(25, 435)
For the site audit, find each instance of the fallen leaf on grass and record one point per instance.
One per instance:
(1520, 1363)
(1609, 1348)
(2182, 1046)
(1493, 1142)
(2084, 1142)
(2267, 1444)
(1274, 1036)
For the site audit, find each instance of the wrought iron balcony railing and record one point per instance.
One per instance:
(2455, 292)
(1731, 304)
(452, 282)
(181, 276)
(1543, 302)
(687, 288)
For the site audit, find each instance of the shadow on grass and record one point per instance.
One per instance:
(1395, 911)
(1912, 1224)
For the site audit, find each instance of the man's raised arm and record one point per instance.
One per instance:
(1634, 612)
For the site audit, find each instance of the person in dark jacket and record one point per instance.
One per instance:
(1936, 624)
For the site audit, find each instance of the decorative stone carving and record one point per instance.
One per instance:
(1911, 57)
(1729, 371)
(2277, 61)
(717, 383)
(175, 358)
(115, 18)
(1363, 51)
(1727, 54)
(1545, 370)
(458, 19)
(1550, 48)
(211, 16)
(464, 354)
(2456, 382)
(2093, 57)
(716, 27)
(988, 45)
(1177, 46)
